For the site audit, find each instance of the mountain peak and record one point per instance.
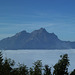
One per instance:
(38, 39)
(41, 30)
(21, 33)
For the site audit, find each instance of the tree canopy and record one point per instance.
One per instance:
(60, 68)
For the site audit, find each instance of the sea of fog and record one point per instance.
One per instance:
(50, 57)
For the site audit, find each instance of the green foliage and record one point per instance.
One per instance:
(61, 68)
(7, 66)
(73, 72)
(1, 58)
(31, 71)
(37, 68)
(22, 70)
(47, 70)
(15, 71)
(1, 63)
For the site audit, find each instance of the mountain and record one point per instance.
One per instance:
(38, 39)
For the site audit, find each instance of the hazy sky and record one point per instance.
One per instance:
(56, 16)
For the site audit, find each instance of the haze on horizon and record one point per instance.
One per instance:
(57, 16)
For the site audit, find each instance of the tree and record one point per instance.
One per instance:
(47, 70)
(1, 64)
(7, 66)
(38, 68)
(22, 69)
(73, 72)
(61, 68)
(31, 71)
(1, 58)
(15, 71)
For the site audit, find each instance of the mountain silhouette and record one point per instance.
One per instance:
(38, 39)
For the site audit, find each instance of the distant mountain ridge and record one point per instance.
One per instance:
(38, 39)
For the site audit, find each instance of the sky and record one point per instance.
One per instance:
(56, 16)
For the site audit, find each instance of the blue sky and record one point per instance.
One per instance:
(56, 16)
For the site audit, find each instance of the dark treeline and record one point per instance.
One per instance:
(60, 68)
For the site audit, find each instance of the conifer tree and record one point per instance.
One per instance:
(7, 66)
(73, 72)
(22, 69)
(31, 71)
(1, 64)
(38, 68)
(47, 70)
(61, 68)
